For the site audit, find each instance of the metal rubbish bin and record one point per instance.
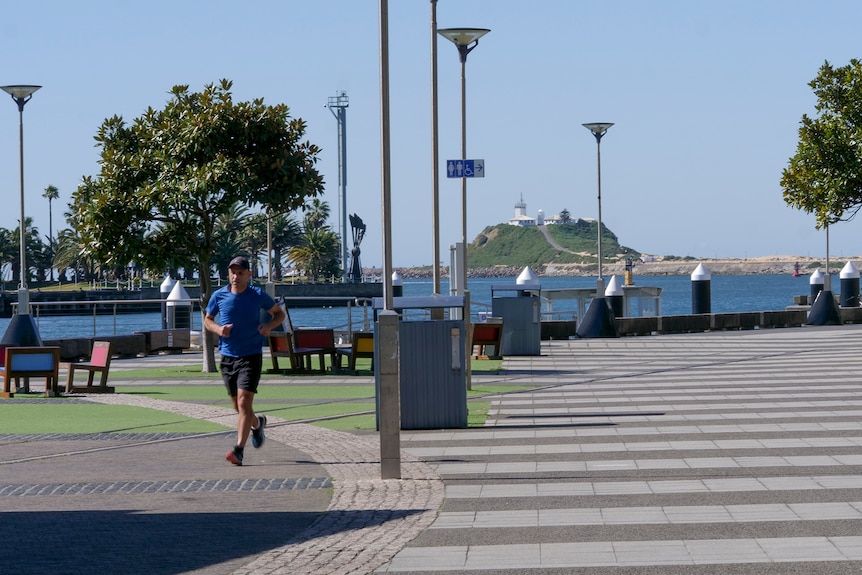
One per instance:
(432, 366)
(521, 313)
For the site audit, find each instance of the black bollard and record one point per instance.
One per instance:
(816, 283)
(598, 320)
(700, 290)
(849, 286)
(614, 294)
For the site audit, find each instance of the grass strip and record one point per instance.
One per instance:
(363, 368)
(53, 416)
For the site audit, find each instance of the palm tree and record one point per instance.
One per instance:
(286, 233)
(32, 245)
(52, 193)
(316, 214)
(227, 238)
(70, 254)
(254, 239)
(8, 249)
(318, 253)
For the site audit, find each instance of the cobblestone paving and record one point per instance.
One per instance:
(342, 541)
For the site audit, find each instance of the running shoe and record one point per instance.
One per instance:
(257, 436)
(235, 456)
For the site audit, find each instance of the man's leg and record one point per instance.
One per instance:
(247, 418)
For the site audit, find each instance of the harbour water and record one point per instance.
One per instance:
(731, 293)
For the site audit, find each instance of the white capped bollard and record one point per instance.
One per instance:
(527, 278)
(849, 285)
(700, 290)
(816, 284)
(179, 314)
(164, 290)
(397, 285)
(614, 293)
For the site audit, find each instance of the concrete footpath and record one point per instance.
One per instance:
(722, 452)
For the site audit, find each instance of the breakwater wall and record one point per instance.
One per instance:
(694, 323)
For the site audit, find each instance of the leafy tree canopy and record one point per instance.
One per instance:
(166, 178)
(825, 175)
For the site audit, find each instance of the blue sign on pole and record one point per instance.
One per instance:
(465, 168)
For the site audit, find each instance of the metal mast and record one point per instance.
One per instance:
(338, 106)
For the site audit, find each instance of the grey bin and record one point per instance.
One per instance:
(433, 373)
(521, 313)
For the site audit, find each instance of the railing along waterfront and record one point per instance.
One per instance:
(116, 308)
(96, 308)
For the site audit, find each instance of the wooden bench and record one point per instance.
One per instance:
(300, 346)
(100, 362)
(280, 345)
(487, 333)
(361, 346)
(310, 342)
(26, 362)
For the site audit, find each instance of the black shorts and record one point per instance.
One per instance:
(241, 373)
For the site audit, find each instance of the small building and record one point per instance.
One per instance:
(521, 218)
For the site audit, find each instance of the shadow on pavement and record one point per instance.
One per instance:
(129, 542)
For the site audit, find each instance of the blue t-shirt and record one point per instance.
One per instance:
(243, 311)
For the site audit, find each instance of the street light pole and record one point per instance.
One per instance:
(599, 129)
(21, 95)
(388, 377)
(465, 39)
(340, 103)
(435, 155)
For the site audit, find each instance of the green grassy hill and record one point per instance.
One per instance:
(505, 245)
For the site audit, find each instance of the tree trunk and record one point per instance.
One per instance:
(208, 339)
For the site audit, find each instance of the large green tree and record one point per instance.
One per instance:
(825, 175)
(167, 177)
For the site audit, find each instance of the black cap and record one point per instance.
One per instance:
(240, 262)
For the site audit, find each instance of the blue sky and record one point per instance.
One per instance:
(706, 99)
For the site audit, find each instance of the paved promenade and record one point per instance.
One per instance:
(717, 453)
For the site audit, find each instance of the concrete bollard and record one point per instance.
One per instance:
(700, 290)
(614, 293)
(849, 286)
(816, 284)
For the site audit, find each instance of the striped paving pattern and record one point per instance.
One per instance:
(162, 487)
(736, 452)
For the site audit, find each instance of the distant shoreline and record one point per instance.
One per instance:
(763, 265)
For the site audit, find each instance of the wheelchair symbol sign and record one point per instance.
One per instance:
(465, 168)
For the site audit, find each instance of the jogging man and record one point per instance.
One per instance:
(237, 306)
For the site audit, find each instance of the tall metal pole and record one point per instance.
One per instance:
(464, 180)
(22, 94)
(340, 103)
(599, 177)
(598, 130)
(435, 154)
(827, 284)
(465, 39)
(22, 226)
(268, 246)
(388, 374)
